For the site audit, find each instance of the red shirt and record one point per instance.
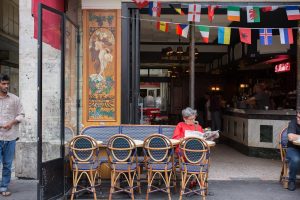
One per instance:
(182, 127)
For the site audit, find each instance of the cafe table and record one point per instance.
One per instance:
(140, 143)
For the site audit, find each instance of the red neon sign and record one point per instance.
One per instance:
(283, 67)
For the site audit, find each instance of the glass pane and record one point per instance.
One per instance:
(70, 81)
(51, 88)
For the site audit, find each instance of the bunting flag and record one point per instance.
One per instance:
(224, 35)
(253, 14)
(182, 30)
(154, 9)
(194, 13)
(292, 12)
(233, 13)
(204, 31)
(211, 12)
(265, 36)
(141, 3)
(286, 36)
(245, 35)
(269, 8)
(177, 8)
(162, 26)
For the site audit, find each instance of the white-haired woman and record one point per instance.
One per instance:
(189, 124)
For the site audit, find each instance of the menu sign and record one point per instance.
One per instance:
(283, 67)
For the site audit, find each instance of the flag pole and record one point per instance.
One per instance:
(192, 65)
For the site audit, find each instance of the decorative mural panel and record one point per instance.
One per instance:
(101, 71)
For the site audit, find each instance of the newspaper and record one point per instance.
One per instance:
(211, 135)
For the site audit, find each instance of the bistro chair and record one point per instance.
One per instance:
(122, 157)
(194, 164)
(84, 162)
(159, 161)
(283, 141)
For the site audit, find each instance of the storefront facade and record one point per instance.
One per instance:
(110, 27)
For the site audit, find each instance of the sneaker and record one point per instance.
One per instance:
(292, 186)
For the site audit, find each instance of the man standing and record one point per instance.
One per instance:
(293, 151)
(11, 114)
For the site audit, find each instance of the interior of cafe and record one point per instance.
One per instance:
(229, 70)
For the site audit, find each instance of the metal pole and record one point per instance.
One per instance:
(192, 65)
(39, 104)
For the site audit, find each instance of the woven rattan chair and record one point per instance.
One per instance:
(84, 162)
(283, 141)
(122, 156)
(194, 164)
(159, 161)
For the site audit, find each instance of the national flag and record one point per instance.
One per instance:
(182, 30)
(211, 12)
(52, 22)
(253, 14)
(292, 12)
(224, 35)
(269, 8)
(154, 9)
(194, 12)
(233, 13)
(177, 8)
(286, 36)
(141, 3)
(162, 26)
(245, 35)
(265, 36)
(204, 31)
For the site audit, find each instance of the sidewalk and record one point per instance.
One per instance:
(233, 176)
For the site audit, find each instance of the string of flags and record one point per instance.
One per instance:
(233, 12)
(224, 33)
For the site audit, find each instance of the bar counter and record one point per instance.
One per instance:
(255, 132)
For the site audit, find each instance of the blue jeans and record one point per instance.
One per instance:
(293, 155)
(7, 153)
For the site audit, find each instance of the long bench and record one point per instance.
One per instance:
(138, 132)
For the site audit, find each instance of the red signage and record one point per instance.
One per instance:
(283, 67)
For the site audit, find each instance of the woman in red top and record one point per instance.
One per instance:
(189, 124)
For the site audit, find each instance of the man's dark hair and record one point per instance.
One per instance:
(4, 77)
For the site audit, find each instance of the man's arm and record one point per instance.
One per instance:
(292, 136)
(20, 116)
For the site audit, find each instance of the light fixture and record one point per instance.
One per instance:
(188, 51)
(179, 50)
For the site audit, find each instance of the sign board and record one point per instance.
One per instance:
(283, 67)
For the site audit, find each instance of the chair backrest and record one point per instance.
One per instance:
(83, 149)
(121, 148)
(194, 151)
(158, 148)
(139, 132)
(102, 133)
(167, 131)
(283, 138)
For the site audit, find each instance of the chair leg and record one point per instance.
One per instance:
(75, 176)
(112, 182)
(149, 183)
(139, 180)
(167, 184)
(183, 179)
(285, 175)
(131, 185)
(92, 183)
